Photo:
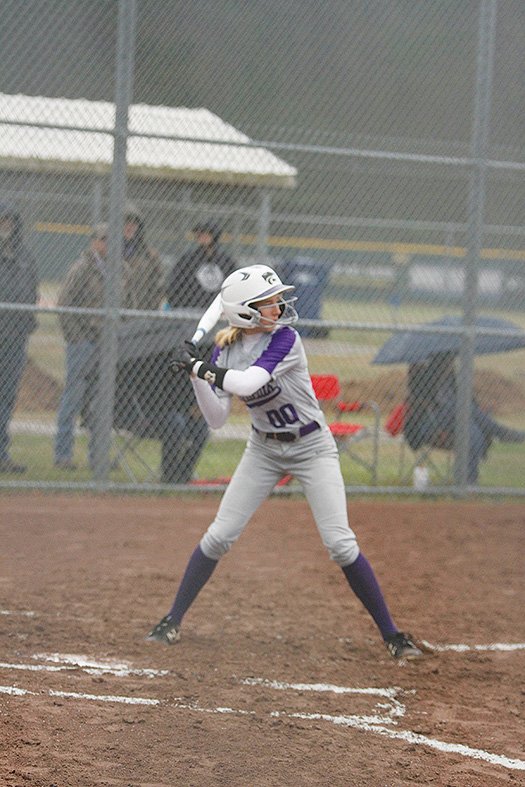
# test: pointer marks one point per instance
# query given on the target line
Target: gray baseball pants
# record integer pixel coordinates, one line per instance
(314, 461)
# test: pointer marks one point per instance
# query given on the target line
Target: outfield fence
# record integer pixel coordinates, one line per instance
(373, 155)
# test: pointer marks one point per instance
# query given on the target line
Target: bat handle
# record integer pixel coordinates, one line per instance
(199, 334)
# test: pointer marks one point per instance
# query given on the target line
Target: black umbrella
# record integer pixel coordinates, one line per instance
(415, 346)
(145, 338)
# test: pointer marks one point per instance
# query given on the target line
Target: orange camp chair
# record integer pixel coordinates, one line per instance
(327, 389)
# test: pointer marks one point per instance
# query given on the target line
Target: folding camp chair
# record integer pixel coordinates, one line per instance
(127, 440)
(421, 457)
(327, 389)
(130, 426)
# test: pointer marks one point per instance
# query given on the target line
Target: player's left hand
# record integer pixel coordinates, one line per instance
(184, 358)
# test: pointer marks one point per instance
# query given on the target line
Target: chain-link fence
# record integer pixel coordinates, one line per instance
(372, 153)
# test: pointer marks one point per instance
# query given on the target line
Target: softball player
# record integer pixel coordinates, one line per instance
(260, 358)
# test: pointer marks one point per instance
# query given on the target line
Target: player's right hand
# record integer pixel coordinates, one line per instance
(183, 358)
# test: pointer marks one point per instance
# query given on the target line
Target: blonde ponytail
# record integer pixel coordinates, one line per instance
(227, 336)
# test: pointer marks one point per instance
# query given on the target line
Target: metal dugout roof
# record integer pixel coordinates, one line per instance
(196, 155)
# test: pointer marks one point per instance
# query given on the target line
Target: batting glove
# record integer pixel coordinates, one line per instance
(184, 358)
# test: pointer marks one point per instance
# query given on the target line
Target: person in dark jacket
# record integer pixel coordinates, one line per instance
(167, 405)
(192, 284)
(430, 418)
(197, 277)
(142, 271)
(18, 284)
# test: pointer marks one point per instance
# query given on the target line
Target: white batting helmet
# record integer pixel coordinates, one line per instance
(245, 287)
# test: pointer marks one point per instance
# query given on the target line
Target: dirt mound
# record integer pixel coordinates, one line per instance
(387, 390)
(38, 390)
(496, 394)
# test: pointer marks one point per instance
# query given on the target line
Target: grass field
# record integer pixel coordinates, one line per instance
(503, 468)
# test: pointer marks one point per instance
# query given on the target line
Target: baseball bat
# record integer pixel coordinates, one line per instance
(209, 320)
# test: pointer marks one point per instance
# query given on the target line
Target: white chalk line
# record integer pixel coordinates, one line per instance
(69, 662)
(275, 684)
(119, 672)
(393, 708)
(15, 691)
(54, 615)
(374, 724)
(363, 723)
(494, 646)
(20, 613)
(91, 666)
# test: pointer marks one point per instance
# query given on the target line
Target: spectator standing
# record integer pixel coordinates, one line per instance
(167, 405)
(199, 273)
(82, 288)
(192, 284)
(18, 284)
(143, 272)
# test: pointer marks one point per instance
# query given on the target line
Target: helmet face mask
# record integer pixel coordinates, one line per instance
(243, 289)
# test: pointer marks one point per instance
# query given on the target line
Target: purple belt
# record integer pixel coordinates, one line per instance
(289, 437)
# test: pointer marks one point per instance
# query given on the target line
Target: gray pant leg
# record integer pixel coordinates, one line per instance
(252, 482)
(323, 486)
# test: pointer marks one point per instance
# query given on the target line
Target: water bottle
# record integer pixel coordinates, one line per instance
(421, 478)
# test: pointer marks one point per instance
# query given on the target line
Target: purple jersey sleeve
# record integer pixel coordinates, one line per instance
(280, 345)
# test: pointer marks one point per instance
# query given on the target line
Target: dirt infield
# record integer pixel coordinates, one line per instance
(281, 678)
